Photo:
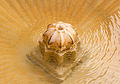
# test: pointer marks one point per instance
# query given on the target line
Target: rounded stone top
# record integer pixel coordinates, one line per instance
(59, 36)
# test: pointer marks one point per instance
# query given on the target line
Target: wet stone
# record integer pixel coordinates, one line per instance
(58, 62)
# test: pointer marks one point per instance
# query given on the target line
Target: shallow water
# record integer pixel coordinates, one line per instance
(22, 23)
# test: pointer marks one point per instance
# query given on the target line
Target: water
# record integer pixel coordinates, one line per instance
(23, 22)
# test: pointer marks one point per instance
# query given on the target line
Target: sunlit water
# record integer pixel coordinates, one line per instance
(22, 23)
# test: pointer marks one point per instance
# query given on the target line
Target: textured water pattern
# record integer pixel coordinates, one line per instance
(22, 23)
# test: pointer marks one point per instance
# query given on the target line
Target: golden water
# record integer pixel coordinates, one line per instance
(22, 22)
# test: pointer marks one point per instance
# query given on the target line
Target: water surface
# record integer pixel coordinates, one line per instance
(22, 23)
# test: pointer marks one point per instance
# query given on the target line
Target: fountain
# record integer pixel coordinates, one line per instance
(58, 50)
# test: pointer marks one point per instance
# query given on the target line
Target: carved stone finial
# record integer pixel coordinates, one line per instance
(59, 42)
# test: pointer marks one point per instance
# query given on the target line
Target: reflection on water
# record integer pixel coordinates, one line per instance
(103, 45)
(22, 23)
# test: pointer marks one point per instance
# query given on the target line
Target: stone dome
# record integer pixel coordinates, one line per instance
(59, 36)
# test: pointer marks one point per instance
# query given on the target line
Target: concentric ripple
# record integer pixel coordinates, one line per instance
(22, 23)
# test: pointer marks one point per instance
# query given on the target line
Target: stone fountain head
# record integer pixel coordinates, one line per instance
(59, 48)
